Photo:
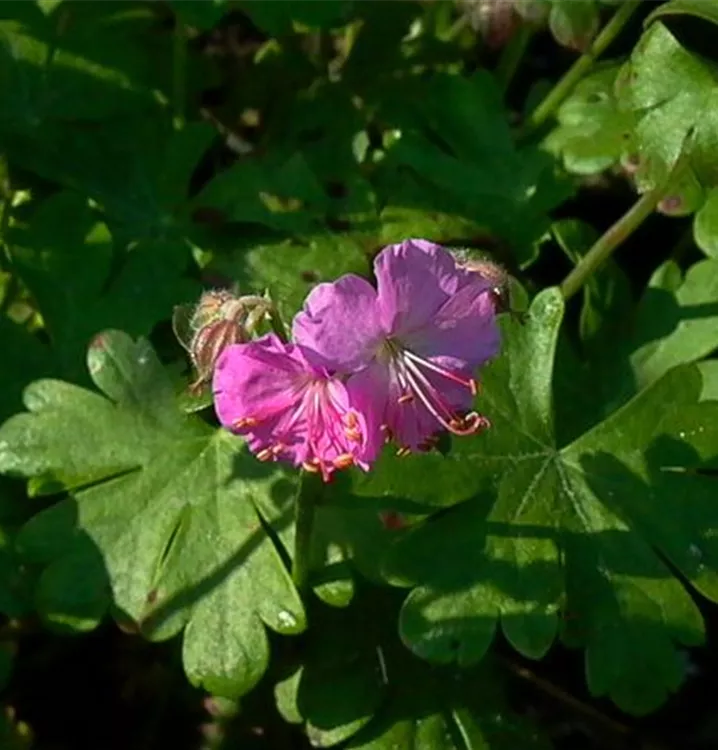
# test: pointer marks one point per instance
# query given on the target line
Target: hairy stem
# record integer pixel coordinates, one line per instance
(308, 495)
(578, 70)
(179, 74)
(611, 239)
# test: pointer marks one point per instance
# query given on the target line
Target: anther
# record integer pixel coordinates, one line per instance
(351, 420)
(407, 398)
(311, 466)
(403, 452)
(386, 431)
(244, 422)
(343, 461)
(353, 434)
(265, 454)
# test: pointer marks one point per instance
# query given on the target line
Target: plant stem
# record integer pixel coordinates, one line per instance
(308, 495)
(611, 239)
(179, 74)
(512, 55)
(578, 70)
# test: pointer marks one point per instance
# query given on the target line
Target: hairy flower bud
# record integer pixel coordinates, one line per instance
(219, 319)
(495, 20)
(493, 273)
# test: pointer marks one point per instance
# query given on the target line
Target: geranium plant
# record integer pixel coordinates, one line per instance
(360, 383)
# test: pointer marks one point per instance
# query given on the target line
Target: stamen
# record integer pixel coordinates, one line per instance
(403, 452)
(354, 435)
(265, 454)
(350, 420)
(469, 383)
(407, 398)
(277, 449)
(343, 461)
(311, 467)
(245, 422)
(386, 431)
(434, 402)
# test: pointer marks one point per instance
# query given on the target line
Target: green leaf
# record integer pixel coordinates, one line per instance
(708, 11)
(67, 260)
(356, 681)
(281, 195)
(593, 133)
(477, 171)
(168, 512)
(290, 268)
(338, 686)
(674, 95)
(676, 320)
(705, 226)
(579, 530)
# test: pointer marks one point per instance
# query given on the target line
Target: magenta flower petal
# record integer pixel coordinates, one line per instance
(288, 409)
(415, 278)
(463, 330)
(340, 323)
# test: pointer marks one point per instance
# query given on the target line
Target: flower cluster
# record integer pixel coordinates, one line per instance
(366, 364)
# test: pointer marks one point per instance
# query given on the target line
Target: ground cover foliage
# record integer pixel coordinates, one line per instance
(549, 582)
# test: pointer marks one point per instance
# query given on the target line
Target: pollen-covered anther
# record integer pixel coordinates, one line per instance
(277, 449)
(469, 424)
(353, 434)
(311, 466)
(244, 423)
(407, 398)
(403, 452)
(343, 461)
(265, 454)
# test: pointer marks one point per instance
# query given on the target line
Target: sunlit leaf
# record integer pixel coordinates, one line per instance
(165, 519)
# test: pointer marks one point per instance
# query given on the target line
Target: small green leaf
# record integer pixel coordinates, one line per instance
(573, 529)
(592, 132)
(166, 512)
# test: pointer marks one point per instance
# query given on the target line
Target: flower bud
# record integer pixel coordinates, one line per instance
(219, 319)
(495, 20)
(496, 275)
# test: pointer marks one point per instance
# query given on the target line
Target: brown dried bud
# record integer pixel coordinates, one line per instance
(219, 319)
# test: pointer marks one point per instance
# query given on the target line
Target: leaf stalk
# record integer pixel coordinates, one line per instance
(580, 68)
(604, 246)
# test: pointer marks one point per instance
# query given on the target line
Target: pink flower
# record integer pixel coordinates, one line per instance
(411, 345)
(290, 409)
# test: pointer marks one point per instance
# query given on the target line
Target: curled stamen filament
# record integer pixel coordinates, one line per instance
(432, 399)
